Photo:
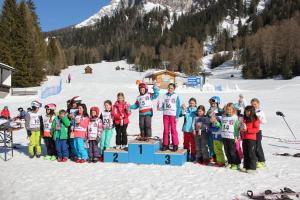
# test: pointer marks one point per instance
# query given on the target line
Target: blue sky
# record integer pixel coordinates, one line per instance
(55, 14)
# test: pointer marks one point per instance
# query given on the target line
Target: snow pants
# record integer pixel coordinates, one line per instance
(93, 149)
(249, 148)
(35, 142)
(121, 136)
(145, 125)
(79, 148)
(202, 147)
(170, 122)
(50, 146)
(231, 152)
(62, 148)
(105, 140)
(189, 142)
(259, 149)
(218, 149)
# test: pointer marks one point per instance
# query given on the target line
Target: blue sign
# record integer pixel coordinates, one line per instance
(194, 81)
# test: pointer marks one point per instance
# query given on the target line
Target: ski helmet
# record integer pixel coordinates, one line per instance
(76, 99)
(96, 109)
(143, 85)
(215, 99)
(236, 106)
(20, 109)
(36, 104)
(50, 106)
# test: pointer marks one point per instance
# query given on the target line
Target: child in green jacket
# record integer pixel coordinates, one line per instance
(60, 126)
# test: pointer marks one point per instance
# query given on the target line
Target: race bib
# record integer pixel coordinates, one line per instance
(93, 130)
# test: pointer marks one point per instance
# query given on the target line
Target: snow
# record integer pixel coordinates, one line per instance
(24, 178)
(232, 25)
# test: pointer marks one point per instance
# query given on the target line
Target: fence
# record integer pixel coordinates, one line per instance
(23, 91)
(52, 90)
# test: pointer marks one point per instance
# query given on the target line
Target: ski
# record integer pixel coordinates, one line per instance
(297, 155)
(284, 194)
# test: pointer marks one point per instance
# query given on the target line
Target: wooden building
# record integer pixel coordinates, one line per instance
(163, 77)
(88, 70)
(5, 79)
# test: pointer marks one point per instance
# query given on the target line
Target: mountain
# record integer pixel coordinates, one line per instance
(174, 6)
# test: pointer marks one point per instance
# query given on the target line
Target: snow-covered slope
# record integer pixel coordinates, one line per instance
(177, 6)
(32, 179)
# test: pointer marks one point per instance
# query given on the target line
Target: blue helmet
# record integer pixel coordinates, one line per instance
(215, 99)
(236, 106)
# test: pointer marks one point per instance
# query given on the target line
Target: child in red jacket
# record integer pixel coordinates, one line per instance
(121, 112)
(248, 133)
(5, 114)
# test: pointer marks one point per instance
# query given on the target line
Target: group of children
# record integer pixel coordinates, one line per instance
(77, 134)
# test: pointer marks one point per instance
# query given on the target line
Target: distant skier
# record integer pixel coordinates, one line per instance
(69, 78)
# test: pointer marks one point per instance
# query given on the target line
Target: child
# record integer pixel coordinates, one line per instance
(80, 133)
(259, 149)
(171, 111)
(230, 133)
(108, 126)
(48, 140)
(215, 143)
(121, 112)
(94, 134)
(201, 124)
(248, 133)
(144, 103)
(5, 114)
(242, 102)
(189, 114)
(60, 126)
(34, 126)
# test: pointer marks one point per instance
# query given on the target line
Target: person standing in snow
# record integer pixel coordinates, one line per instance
(189, 114)
(242, 102)
(121, 112)
(35, 127)
(248, 134)
(171, 110)
(60, 135)
(262, 118)
(108, 126)
(48, 133)
(5, 114)
(94, 134)
(80, 133)
(144, 103)
(69, 78)
(230, 133)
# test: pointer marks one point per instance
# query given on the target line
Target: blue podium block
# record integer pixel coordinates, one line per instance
(177, 158)
(142, 152)
(116, 156)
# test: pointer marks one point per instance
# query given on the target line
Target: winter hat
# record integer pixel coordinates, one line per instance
(143, 85)
(96, 109)
(50, 106)
(36, 104)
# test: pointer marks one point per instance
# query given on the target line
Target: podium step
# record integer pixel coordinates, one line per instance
(142, 152)
(177, 158)
(116, 156)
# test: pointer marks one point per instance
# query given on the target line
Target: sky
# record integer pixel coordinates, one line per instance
(55, 14)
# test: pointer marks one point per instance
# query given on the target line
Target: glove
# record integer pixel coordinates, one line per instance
(28, 133)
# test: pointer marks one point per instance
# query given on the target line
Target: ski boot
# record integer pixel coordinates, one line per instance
(260, 165)
(165, 148)
(175, 148)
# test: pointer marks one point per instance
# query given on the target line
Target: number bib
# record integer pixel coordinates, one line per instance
(107, 120)
(93, 129)
(77, 126)
(47, 123)
(34, 122)
(145, 102)
(170, 105)
(227, 130)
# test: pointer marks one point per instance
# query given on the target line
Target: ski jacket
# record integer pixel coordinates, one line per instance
(95, 129)
(201, 124)
(5, 114)
(81, 126)
(171, 105)
(121, 109)
(214, 130)
(189, 114)
(262, 118)
(252, 130)
(145, 102)
(60, 128)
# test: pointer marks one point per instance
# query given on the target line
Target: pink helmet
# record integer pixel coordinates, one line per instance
(143, 85)
(50, 106)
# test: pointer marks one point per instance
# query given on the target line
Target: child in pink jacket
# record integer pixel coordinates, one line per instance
(80, 133)
(94, 134)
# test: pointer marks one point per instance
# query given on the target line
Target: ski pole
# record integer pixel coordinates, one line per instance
(282, 115)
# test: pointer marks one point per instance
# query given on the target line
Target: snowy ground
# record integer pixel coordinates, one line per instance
(23, 178)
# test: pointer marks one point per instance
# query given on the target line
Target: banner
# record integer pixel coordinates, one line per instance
(52, 90)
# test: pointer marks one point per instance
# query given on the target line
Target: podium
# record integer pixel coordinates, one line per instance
(146, 152)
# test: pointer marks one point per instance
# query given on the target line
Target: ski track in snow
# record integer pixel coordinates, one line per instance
(23, 178)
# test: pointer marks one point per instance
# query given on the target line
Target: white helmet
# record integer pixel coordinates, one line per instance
(36, 104)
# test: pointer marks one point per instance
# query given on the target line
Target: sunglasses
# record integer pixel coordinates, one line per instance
(212, 101)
